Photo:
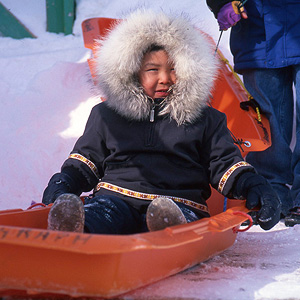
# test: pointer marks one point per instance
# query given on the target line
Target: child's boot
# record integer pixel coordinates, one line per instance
(163, 212)
(67, 214)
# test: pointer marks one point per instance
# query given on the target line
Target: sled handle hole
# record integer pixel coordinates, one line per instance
(36, 204)
(244, 215)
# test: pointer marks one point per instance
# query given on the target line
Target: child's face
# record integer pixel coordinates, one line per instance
(157, 74)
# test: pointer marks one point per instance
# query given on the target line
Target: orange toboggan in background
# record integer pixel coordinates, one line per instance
(36, 262)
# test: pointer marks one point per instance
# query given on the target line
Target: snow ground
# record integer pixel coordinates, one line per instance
(46, 99)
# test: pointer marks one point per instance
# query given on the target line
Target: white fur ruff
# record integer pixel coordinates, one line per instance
(118, 60)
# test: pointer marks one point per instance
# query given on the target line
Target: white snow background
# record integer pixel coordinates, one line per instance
(45, 102)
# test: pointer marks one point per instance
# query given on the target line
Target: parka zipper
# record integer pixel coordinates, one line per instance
(149, 141)
(152, 111)
(152, 116)
(151, 131)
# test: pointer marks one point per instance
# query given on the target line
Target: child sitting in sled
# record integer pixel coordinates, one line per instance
(151, 151)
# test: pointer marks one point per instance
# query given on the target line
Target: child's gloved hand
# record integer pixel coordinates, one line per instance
(259, 193)
(60, 183)
(230, 14)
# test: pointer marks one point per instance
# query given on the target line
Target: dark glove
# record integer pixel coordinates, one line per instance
(230, 14)
(259, 193)
(60, 183)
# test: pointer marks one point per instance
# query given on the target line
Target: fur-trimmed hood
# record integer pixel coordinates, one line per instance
(118, 59)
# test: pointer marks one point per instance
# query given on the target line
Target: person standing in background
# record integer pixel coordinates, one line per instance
(265, 44)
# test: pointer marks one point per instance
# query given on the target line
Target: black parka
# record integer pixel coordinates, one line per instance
(159, 158)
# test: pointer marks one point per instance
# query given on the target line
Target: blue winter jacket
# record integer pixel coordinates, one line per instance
(269, 38)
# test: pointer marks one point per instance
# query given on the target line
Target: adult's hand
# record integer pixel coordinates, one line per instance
(230, 14)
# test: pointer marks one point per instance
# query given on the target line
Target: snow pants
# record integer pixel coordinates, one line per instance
(111, 215)
(280, 164)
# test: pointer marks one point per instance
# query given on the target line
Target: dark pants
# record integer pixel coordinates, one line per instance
(111, 215)
(273, 90)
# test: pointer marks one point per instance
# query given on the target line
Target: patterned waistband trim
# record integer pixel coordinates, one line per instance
(86, 161)
(145, 196)
(229, 172)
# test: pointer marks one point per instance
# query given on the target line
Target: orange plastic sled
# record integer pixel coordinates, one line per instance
(39, 263)
(35, 262)
(249, 127)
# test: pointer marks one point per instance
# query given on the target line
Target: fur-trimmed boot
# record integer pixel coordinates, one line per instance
(163, 212)
(67, 214)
